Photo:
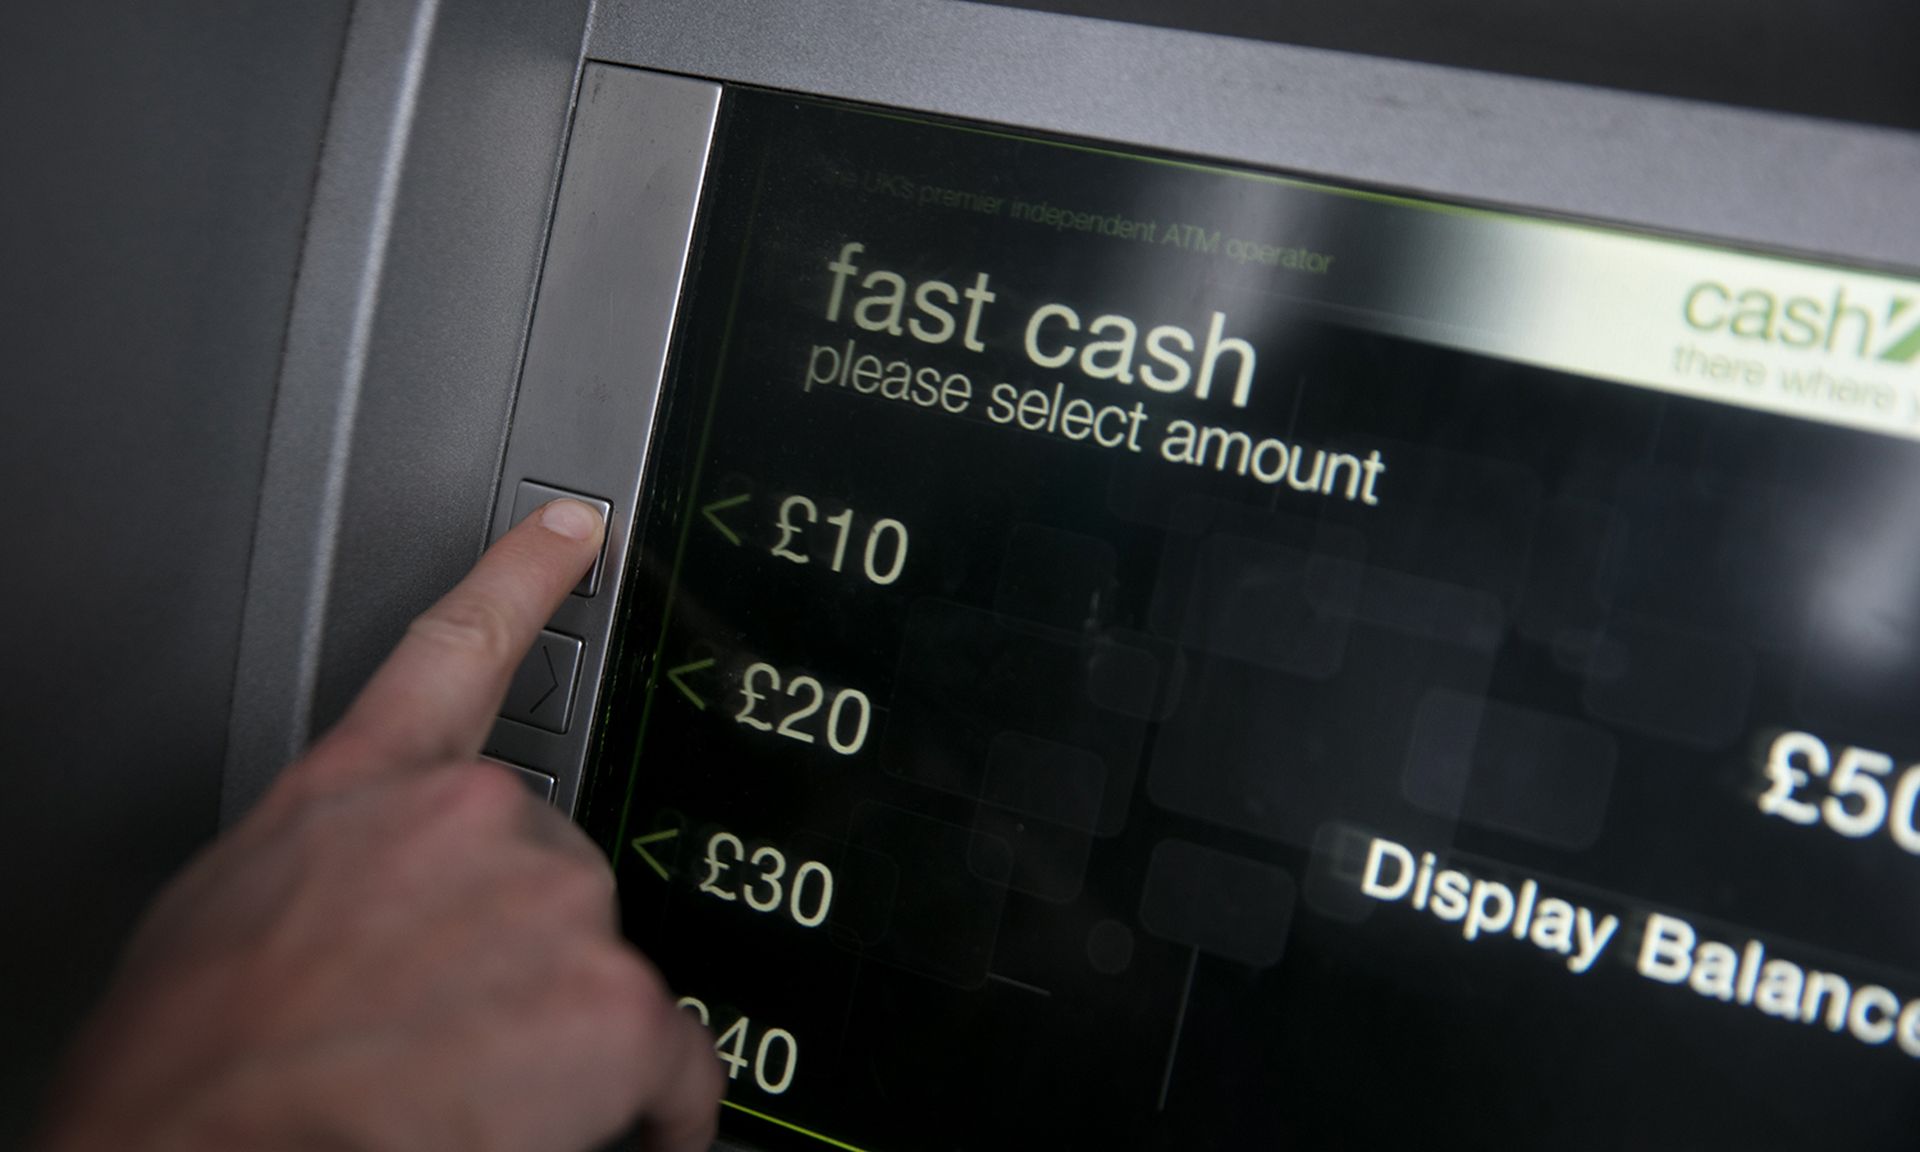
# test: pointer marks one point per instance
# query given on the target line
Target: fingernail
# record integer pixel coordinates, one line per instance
(571, 519)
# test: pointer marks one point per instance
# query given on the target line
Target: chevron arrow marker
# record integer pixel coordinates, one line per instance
(677, 677)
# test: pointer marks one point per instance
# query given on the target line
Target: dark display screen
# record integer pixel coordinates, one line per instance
(1125, 653)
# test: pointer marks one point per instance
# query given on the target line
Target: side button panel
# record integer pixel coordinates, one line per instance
(543, 686)
(596, 354)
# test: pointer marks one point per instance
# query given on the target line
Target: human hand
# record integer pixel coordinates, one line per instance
(399, 949)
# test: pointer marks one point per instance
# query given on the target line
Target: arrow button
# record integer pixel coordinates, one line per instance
(528, 499)
(538, 783)
(543, 686)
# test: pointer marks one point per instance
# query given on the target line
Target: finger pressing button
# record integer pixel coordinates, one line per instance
(531, 497)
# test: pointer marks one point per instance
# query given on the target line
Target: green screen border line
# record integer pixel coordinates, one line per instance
(791, 1126)
(619, 844)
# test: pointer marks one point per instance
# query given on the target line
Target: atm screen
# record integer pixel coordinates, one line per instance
(1124, 652)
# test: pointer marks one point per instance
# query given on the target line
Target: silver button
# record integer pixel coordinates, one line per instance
(542, 691)
(538, 783)
(531, 497)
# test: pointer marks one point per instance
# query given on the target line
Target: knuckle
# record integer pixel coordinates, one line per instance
(299, 785)
(641, 995)
(631, 995)
(468, 625)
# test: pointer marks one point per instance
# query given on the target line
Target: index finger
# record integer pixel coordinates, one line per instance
(436, 696)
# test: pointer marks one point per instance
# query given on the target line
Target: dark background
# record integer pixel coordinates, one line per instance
(156, 165)
(158, 159)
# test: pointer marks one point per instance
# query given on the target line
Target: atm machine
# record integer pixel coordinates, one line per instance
(1163, 591)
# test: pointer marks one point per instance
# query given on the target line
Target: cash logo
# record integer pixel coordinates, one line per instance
(1885, 331)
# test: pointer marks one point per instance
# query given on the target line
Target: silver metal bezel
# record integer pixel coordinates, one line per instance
(597, 351)
(1825, 190)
